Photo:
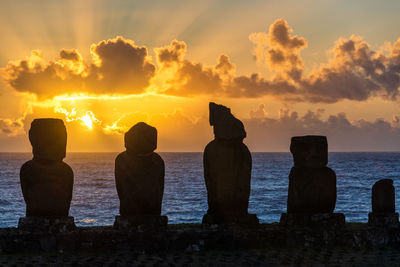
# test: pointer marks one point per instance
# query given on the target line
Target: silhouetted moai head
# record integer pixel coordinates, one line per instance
(226, 126)
(383, 196)
(309, 151)
(312, 185)
(139, 173)
(49, 139)
(227, 166)
(141, 139)
(46, 180)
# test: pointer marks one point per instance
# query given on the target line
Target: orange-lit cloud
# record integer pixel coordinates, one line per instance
(354, 72)
(11, 127)
(188, 78)
(118, 66)
(279, 50)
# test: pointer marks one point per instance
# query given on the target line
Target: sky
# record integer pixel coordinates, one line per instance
(285, 68)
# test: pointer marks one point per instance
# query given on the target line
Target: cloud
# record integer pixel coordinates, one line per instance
(119, 66)
(354, 71)
(279, 50)
(11, 127)
(270, 134)
(187, 78)
(259, 113)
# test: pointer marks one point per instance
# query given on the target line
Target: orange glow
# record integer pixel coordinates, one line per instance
(88, 119)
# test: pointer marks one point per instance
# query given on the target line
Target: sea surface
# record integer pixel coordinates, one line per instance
(95, 200)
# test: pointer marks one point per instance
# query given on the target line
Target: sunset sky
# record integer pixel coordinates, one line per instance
(284, 68)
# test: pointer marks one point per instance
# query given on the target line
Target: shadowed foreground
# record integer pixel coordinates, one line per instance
(195, 245)
(296, 256)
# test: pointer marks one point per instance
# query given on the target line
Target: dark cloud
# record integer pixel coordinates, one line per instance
(70, 54)
(268, 134)
(256, 86)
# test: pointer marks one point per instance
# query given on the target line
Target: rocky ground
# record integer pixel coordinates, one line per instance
(387, 256)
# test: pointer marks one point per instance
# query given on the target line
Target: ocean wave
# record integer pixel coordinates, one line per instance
(4, 202)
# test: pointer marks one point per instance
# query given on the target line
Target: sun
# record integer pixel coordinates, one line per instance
(87, 121)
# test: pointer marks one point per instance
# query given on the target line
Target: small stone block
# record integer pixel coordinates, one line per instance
(244, 220)
(384, 219)
(145, 221)
(316, 219)
(50, 224)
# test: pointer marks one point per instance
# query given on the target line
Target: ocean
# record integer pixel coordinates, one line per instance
(95, 201)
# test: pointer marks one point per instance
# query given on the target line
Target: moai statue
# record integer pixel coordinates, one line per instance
(383, 205)
(46, 180)
(139, 178)
(312, 185)
(227, 170)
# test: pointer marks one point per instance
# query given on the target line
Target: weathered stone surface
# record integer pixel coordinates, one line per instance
(309, 151)
(139, 177)
(383, 197)
(313, 219)
(389, 219)
(311, 190)
(47, 224)
(46, 187)
(227, 167)
(143, 222)
(141, 139)
(49, 139)
(226, 126)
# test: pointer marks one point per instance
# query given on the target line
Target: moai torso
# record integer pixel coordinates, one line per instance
(227, 165)
(312, 185)
(139, 173)
(46, 180)
(227, 172)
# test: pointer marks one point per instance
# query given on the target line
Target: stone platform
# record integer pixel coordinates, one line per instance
(196, 237)
(140, 222)
(249, 220)
(384, 219)
(50, 224)
(316, 219)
